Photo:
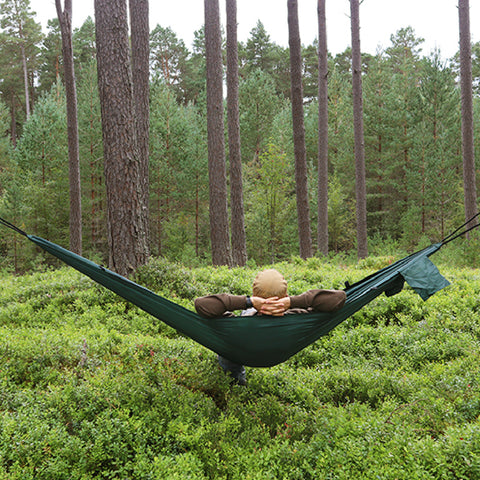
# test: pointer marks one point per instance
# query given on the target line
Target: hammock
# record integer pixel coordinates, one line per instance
(262, 341)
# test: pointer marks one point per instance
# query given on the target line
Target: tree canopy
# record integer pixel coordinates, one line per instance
(412, 127)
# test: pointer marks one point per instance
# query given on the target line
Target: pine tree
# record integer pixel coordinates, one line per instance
(219, 232)
(91, 158)
(381, 152)
(259, 50)
(19, 48)
(360, 186)
(24, 34)
(127, 223)
(75, 219)
(40, 155)
(84, 48)
(169, 58)
(179, 179)
(301, 179)
(272, 208)
(50, 61)
(404, 58)
(239, 246)
(322, 228)
(469, 181)
(437, 147)
(258, 106)
(140, 58)
(193, 82)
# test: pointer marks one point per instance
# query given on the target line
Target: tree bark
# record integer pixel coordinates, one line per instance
(239, 244)
(301, 179)
(140, 40)
(360, 182)
(219, 231)
(322, 229)
(65, 20)
(13, 122)
(25, 78)
(469, 177)
(125, 218)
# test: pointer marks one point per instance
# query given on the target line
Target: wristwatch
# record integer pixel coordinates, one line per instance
(249, 302)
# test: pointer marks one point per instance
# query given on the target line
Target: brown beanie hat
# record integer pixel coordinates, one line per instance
(269, 283)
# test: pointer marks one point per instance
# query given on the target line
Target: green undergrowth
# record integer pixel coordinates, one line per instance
(93, 388)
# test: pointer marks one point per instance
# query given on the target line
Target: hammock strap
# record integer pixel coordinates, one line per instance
(7, 224)
(454, 235)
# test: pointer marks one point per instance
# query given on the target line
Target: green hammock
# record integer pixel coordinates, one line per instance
(260, 341)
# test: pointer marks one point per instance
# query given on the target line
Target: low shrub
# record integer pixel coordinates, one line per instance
(93, 388)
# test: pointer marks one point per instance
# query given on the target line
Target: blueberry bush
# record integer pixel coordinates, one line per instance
(93, 388)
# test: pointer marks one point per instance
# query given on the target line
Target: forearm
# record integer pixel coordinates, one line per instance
(319, 300)
(213, 306)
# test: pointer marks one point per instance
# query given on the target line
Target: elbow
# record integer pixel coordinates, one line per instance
(330, 300)
(342, 298)
(200, 308)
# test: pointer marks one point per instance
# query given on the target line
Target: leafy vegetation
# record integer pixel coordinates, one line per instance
(412, 142)
(93, 388)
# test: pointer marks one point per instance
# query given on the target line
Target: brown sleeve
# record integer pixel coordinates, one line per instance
(213, 306)
(319, 300)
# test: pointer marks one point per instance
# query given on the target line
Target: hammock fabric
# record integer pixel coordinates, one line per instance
(260, 341)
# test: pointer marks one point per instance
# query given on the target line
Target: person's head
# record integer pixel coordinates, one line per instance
(269, 283)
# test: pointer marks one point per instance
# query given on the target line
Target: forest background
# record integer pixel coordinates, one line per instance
(412, 143)
(94, 388)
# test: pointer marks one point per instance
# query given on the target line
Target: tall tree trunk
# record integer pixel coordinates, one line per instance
(360, 182)
(13, 121)
(24, 63)
(301, 180)
(140, 39)
(322, 230)
(469, 181)
(65, 20)
(125, 217)
(239, 244)
(25, 80)
(219, 233)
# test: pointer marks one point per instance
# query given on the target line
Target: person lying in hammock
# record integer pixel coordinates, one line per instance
(269, 297)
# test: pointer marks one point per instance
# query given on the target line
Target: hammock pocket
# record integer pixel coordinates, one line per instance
(262, 341)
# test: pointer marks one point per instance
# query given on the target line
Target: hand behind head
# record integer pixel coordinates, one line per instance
(271, 306)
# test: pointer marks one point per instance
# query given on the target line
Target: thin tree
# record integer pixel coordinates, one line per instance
(360, 182)
(322, 229)
(140, 41)
(469, 185)
(25, 71)
(20, 35)
(301, 179)
(65, 20)
(239, 245)
(126, 221)
(219, 232)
